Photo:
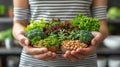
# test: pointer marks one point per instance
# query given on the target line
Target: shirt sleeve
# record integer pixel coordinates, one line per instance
(100, 12)
(21, 14)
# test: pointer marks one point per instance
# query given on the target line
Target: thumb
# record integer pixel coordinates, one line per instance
(23, 40)
(27, 42)
(93, 42)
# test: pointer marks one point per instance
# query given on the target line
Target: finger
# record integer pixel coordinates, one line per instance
(27, 42)
(86, 51)
(54, 56)
(33, 51)
(79, 55)
(74, 56)
(43, 56)
(93, 42)
(46, 56)
(70, 57)
(67, 53)
(98, 37)
(23, 40)
(66, 57)
(75, 53)
(51, 56)
(82, 51)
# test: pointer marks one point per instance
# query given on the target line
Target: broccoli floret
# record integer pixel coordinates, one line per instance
(35, 35)
(85, 36)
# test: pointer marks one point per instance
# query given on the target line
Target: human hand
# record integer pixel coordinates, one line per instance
(79, 54)
(38, 53)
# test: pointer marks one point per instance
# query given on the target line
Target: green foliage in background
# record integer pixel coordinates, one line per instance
(6, 34)
(113, 13)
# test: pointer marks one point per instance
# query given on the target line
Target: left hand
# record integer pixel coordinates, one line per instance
(79, 54)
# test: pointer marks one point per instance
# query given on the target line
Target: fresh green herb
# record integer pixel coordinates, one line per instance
(52, 40)
(86, 23)
(36, 25)
(61, 35)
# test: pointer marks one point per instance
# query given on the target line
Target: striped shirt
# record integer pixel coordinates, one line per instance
(65, 10)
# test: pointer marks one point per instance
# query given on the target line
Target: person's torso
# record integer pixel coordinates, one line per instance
(62, 9)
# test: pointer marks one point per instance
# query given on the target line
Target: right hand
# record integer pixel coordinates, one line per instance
(38, 53)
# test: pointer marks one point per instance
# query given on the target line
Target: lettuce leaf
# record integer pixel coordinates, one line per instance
(86, 23)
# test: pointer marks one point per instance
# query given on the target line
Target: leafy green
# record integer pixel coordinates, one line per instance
(61, 35)
(35, 35)
(36, 25)
(51, 40)
(35, 39)
(6, 34)
(42, 34)
(86, 23)
(53, 23)
(74, 35)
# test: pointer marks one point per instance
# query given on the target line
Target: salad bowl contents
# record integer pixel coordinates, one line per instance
(64, 35)
(72, 45)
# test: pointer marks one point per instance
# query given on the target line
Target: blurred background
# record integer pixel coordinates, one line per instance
(108, 51)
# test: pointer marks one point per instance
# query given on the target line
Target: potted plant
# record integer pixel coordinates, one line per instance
(2, 10)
